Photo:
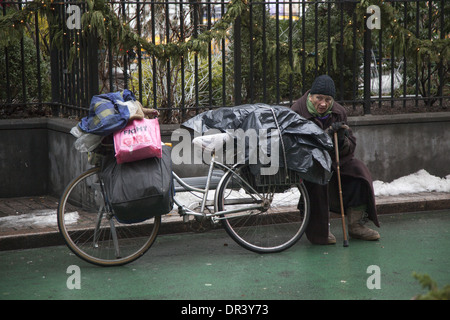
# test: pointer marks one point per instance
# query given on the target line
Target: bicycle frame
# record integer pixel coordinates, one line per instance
(185, 211)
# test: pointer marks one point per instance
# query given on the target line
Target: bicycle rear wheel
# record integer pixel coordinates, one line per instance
(90, 229)
(277, 224)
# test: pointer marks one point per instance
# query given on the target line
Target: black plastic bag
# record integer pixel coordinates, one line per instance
(306, 146)
(139, 190)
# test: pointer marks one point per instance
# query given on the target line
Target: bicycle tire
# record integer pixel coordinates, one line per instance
(85, 223)
(267, 230)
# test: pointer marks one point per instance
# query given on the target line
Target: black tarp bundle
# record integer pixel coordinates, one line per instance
(306, 145)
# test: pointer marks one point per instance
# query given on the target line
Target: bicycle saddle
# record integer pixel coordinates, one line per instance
(212, 142)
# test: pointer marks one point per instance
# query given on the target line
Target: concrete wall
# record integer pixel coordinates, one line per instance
(37, 156)
(23, 157)
(398, 145)
(64, 161)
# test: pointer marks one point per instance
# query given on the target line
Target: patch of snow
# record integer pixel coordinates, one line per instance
(36, 218)
(421, 181)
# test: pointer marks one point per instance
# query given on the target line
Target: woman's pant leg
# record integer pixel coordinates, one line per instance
(317, 229)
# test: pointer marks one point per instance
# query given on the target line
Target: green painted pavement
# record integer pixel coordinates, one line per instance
(211, 266)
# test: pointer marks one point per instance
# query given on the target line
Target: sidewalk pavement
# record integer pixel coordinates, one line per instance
(30, 222)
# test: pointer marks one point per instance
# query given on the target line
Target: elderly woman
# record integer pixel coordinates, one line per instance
(318, 105)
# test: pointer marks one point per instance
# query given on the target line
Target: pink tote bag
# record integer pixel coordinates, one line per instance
(140, 139)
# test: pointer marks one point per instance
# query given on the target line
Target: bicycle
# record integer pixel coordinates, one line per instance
(248, 206)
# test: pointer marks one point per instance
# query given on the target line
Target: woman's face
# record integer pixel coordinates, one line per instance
(321, 102)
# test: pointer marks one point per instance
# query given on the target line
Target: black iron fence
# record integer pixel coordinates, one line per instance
(186, 56)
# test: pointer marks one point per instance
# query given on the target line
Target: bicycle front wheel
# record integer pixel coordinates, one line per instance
(268, 213)
(90, 230)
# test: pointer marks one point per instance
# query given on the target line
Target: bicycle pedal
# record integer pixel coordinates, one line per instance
(181, 211)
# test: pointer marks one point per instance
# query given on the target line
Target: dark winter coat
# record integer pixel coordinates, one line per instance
(320, 195)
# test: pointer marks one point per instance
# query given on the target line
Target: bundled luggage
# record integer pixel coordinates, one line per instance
(141, 189)
(304, 149)
(137, 171)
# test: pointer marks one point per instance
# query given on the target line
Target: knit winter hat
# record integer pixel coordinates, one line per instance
(323, 85)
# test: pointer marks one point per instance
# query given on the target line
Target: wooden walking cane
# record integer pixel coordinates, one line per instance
(336, 148)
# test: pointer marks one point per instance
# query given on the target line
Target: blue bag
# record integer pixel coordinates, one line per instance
(107, 113)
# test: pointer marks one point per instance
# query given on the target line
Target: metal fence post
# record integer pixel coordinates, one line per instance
(367, 61)
(237, 62)
(54, 67)
(92, 61)
(55, 74)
